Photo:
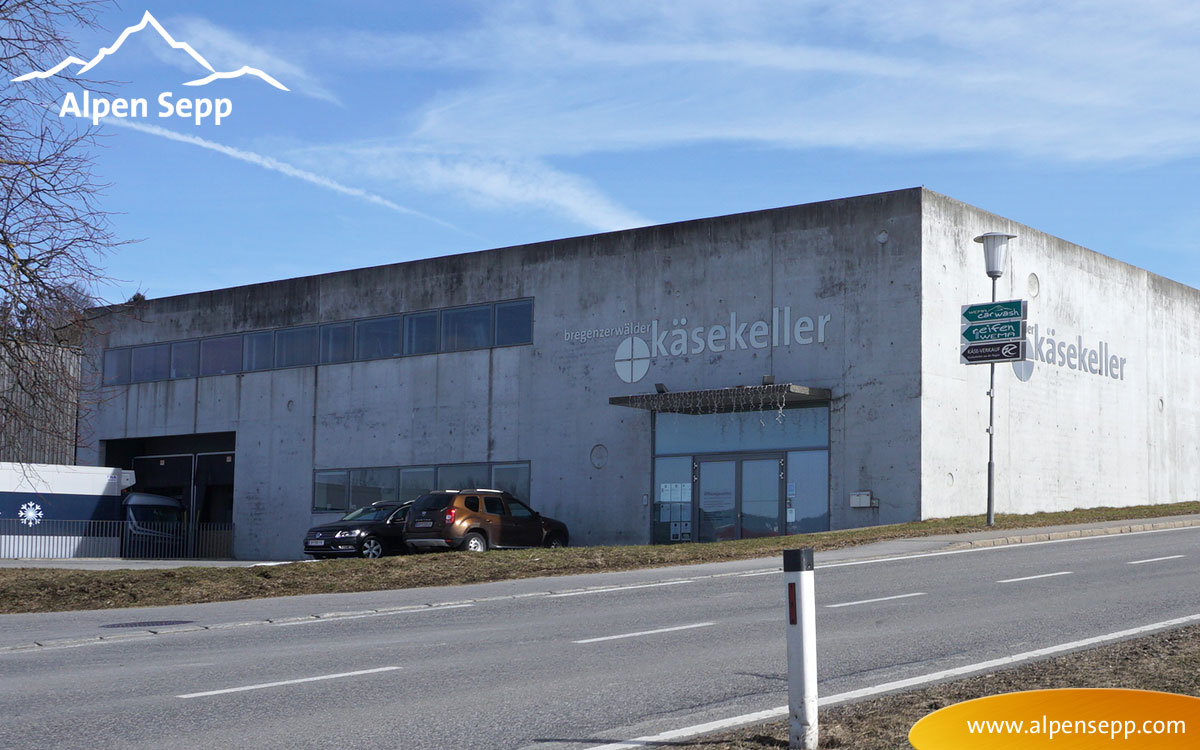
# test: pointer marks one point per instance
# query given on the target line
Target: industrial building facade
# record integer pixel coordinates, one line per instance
(781, 371)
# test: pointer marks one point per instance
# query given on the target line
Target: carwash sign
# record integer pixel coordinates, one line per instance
(96, 108)
(641, 342)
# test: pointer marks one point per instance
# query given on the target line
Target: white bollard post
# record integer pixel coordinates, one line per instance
(801, 648)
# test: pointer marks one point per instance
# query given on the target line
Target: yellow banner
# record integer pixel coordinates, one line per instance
(1064, 720)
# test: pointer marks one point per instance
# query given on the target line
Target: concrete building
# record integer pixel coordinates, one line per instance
(734, 376)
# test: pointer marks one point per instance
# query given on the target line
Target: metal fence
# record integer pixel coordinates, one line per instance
(60, 539)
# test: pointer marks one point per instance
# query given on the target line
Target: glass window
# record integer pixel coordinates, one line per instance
(472, 504)
(494, 505)
(296, 347)
(417, 481)
(372, 485)
(116, 366)
(467, 328)
(512, 478)
(151, 363)
(329, 491)
(221, 356)
(672, 499)
(741, 431)
(462, 476)
(185, 359)
(337, 343)
(377, 339)
(258, 351)
(421, 333)
(518, 509)
(514, 322)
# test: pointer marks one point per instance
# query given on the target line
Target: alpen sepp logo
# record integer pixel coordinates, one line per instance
(199, 109)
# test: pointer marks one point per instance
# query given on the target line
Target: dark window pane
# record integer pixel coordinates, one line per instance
(372, 485)
(421, 333)
(221, 356)
(467, 328)
(518, 509)
(376, 339)
(462, 476)
(150, 363)
(512, 478)
(514, 323)
(296, 347)
(259, 348)
(185, 359)
(116, 366)
(329, 491)
(337, 343)
(416, 481)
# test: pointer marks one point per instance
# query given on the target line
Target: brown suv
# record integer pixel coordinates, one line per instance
(477, 520)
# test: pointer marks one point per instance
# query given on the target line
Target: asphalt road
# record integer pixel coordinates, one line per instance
(550, 663)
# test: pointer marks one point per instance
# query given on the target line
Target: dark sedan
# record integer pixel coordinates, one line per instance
(372, 531)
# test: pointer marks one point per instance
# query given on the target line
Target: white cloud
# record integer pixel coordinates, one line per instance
(1070, 80)
(267, 162)
(488, 181)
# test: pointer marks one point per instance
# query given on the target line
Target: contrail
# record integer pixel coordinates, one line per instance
(267, 162)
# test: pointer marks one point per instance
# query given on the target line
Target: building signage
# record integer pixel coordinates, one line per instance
(641, 342)
(1004, 351)
(1006, 331)
(993, 312)
(1076, 354)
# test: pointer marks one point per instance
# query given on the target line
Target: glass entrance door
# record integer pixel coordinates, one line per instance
(739, 498)
(717, 501)
(760, 497)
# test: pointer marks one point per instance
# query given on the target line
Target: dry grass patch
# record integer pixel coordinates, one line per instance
(1169, 662)
(47, 590)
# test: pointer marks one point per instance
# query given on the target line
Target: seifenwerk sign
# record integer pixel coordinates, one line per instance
(641, 342)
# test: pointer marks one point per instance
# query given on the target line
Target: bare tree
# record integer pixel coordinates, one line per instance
(53, 234)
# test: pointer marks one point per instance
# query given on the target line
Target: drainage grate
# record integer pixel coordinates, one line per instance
(148, 624)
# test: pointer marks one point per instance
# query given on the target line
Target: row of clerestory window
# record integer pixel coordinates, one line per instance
(453, 329)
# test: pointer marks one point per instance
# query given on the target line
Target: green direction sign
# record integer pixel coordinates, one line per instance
(994, 312)
(999, 331)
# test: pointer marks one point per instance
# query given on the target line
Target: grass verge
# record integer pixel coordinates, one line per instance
(47, 590)
(1169, 662)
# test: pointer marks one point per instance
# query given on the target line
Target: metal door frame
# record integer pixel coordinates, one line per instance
(779, 456)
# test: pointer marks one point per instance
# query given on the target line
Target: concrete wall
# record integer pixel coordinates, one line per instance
(1066, 438)
(852, 266)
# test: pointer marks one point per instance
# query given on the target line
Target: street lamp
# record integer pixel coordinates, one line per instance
(994, 247)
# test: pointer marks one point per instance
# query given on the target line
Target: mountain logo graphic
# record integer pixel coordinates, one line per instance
(150, 20)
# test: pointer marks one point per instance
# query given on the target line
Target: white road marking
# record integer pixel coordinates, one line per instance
(781, 711)
(872, 601)
(618, 588)
(1155, 559)
(339, 618)
(998, 547)
(287, 682)
(1032, 578)
(758, 573)
(645, 632)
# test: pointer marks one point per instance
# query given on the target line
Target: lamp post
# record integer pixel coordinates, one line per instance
(994, 247)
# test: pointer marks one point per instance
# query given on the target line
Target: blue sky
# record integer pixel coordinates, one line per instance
(417, 129)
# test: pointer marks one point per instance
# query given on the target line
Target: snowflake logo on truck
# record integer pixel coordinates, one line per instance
(30, 514)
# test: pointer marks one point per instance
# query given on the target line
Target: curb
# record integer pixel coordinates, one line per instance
(1074, 534)
(954, 546)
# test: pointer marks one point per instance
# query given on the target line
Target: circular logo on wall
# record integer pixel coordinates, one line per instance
(632, 359)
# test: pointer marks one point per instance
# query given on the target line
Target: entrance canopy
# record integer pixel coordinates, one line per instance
(722, 400)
